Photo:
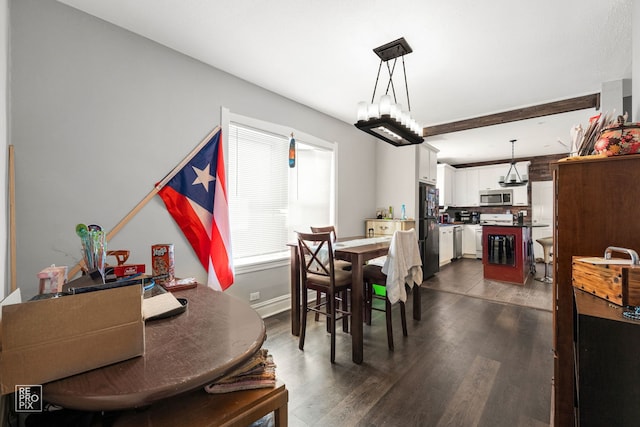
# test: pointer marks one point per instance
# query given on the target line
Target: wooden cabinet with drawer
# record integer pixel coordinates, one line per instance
(584, 189)
(386, 227)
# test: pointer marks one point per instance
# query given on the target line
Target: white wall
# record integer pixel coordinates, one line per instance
(612, 95)
(396, 179)
(99, 115)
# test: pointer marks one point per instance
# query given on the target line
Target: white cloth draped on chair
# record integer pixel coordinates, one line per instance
(402, 265)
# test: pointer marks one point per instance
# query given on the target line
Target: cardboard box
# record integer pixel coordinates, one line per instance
(49, 339)
(615, 280)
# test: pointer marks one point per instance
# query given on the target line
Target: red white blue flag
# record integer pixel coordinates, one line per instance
(196, 198)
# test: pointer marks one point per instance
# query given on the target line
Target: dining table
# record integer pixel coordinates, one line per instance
(216, 333)
(357, 250)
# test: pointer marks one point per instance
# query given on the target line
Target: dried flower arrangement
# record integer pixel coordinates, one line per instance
(607, 136)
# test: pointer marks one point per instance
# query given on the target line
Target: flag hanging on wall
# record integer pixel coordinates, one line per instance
(196, 198)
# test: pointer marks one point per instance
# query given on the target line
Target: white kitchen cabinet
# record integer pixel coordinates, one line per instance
(469, 240)
(470, 181)
(446, 184)
(473, 194)
(466, 188)
(460, 196)
(488, 176)
(446, 244)
(428, 164)
(520, 195)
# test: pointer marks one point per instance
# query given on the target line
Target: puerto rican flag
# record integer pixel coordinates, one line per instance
(196, 198)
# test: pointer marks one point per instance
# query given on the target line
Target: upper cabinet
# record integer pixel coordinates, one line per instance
(446, 184)
(466, 189)
(521, 195)
(470, 181)
(488, 176)
(428, 164)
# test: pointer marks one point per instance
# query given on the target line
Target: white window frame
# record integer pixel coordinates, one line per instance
(281, 258)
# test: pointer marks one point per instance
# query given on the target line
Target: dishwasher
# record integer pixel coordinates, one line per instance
(457, 242)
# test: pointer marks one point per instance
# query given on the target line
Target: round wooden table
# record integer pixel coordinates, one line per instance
(216, 333)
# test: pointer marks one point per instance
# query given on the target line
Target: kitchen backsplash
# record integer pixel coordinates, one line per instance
(490, 210)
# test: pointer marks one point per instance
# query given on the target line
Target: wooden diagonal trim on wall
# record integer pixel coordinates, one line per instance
(556, 107)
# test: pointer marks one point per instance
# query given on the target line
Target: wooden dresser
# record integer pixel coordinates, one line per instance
(596, 206)
(386, 227)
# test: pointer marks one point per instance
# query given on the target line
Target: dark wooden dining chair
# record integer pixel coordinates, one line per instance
(315, 251)
(339, 263)
(402, 267)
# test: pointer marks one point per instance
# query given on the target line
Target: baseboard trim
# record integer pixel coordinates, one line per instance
(273, 306)
(277, 305)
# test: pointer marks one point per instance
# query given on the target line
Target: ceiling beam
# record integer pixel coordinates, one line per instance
(557, 107)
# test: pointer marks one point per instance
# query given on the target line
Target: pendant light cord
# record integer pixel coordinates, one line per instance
(406, 85)
(373, 98)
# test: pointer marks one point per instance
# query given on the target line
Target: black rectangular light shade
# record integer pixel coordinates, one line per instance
(389, 130)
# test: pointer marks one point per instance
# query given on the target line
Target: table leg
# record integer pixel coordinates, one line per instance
(357, 286)
(417, 303)
(295, 292)
(531, 257)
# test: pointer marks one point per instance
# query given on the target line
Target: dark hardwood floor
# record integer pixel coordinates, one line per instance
(465, 277)
(468, 362)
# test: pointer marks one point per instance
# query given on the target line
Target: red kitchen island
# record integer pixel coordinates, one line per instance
(506, 253)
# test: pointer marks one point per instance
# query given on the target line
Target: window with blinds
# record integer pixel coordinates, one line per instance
(268, 201)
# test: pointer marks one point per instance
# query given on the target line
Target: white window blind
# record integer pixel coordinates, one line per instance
(267, 200)
(258, 191)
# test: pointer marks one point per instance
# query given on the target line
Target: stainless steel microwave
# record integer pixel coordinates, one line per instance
(496, 197)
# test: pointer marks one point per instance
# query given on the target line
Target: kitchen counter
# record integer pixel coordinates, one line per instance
(515, 225)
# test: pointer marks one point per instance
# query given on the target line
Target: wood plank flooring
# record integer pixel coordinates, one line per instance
(469, 362)
(463, 277)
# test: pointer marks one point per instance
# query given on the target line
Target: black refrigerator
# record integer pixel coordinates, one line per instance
(428, 230)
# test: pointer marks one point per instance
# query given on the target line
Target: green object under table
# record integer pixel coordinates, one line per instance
(379, 290)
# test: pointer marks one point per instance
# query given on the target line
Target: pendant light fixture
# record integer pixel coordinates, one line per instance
(386, 119)
(513, 178)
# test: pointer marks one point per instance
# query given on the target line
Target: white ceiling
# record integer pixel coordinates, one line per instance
(470, 58)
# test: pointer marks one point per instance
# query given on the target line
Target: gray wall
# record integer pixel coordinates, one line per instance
(4, 226)
(98, 115)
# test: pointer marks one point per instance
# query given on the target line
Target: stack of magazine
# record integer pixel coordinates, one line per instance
(258, 372)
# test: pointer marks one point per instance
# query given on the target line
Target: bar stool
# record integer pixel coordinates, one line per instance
(546, 243)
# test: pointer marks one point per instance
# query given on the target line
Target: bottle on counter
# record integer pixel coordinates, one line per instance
(403, 213)
(390, 212)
